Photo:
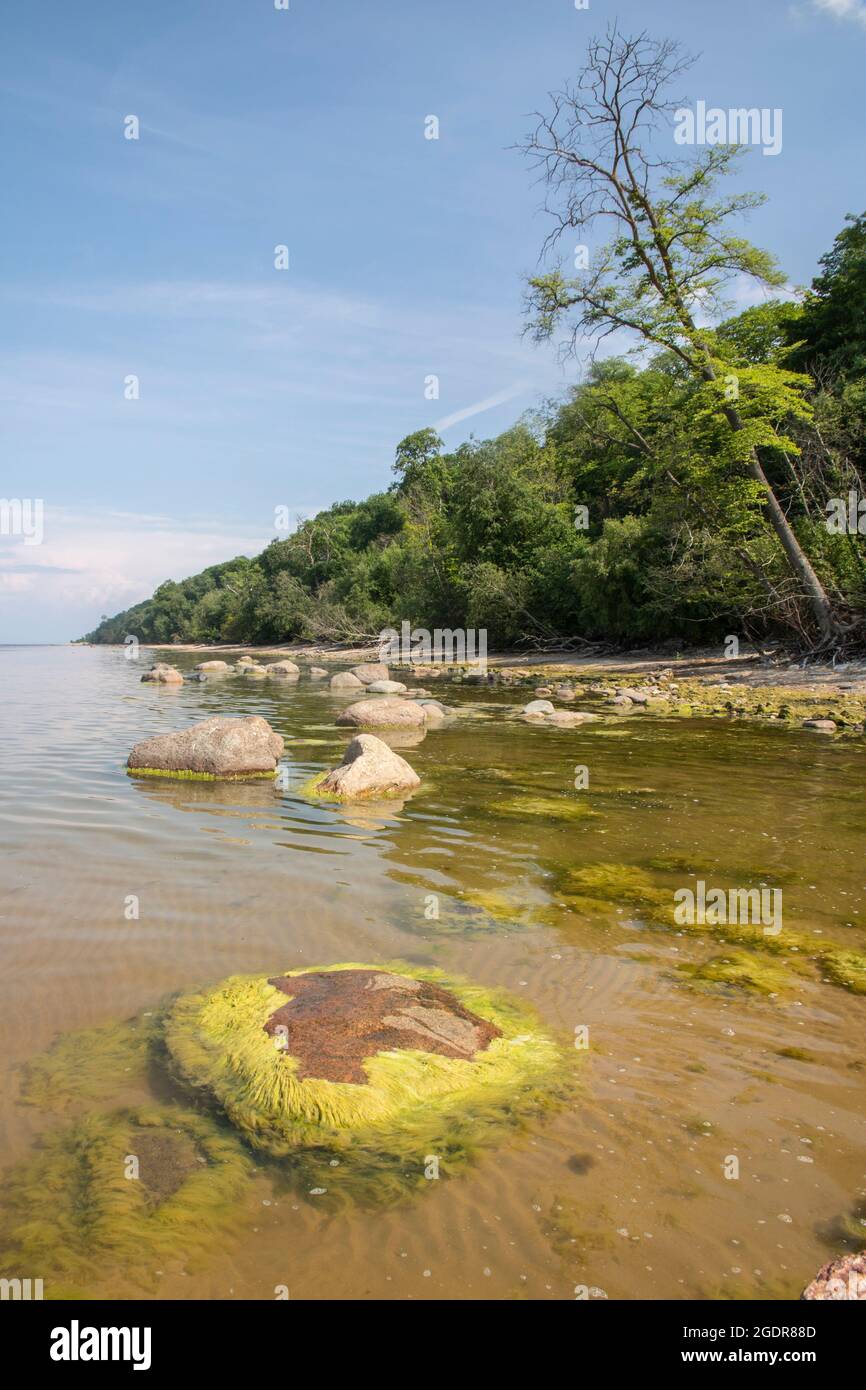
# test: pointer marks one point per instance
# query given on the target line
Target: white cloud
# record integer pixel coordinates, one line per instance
(104, 561)
(843, 9)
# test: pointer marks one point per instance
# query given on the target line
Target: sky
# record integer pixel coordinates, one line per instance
(261, 388)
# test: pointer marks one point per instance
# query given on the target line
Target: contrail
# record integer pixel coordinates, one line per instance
(487, 404)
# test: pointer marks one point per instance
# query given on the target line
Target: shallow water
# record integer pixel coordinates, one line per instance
(625, 1191)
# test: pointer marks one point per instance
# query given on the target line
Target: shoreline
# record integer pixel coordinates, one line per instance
(751, 668)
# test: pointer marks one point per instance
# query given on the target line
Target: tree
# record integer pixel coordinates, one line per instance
(671, 254)
(831, 331)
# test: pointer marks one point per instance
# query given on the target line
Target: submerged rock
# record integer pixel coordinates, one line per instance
(823, 726)
(317, 673)
(538, 707)
(383, 713)
(113, 1197)
(383, 1065)
(370, 770)
(386, 688)
(839, 1280)
(217, 747)
(369, 671)
(569, 718)
(345, 680)
(162, 674)
(283, 668)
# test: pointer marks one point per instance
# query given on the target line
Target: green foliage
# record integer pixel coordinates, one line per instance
(676, 543)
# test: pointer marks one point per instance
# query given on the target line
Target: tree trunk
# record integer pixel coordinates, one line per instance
(797, 557)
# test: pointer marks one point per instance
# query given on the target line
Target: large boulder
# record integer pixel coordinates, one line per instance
(214, 748)
(163, 675)
(841, 1279)
(386, 688)
(538, 707)
(283, 668)
(383, 712)
(357, 1071)
(370, 671)
(212, 666)
(369, 770)
(345, 680)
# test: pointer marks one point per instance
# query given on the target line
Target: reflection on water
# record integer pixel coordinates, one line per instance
(495, 869)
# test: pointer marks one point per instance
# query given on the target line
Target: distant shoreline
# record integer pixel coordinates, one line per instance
(748, 669)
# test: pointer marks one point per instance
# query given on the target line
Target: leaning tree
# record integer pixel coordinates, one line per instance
(605, 152)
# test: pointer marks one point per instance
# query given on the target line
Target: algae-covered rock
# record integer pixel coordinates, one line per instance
(739, 970)
(370, 770)
(842, 1279)
(547, 807)
(215, 748)
(364, 1062)
(114, 1197)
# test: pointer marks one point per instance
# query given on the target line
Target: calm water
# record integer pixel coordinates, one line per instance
(625, 1191)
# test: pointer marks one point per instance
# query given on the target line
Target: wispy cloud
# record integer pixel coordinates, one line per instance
(854, 10)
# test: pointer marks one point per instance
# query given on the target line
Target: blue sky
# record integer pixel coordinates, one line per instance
(262, 388)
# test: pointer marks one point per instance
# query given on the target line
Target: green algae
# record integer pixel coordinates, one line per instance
(492, 906)
(369, 1143)
(185, 776)
(112, 1196)
(844, 968)
(629, 885)
(553, 808)
(740, 970)
(92, 1067)
(310, 791)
